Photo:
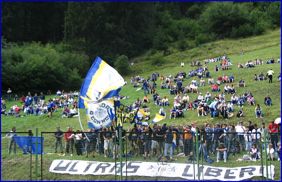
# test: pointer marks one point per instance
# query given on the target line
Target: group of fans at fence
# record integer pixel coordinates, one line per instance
(165, 142)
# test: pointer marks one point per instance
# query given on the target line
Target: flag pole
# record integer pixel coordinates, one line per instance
(79, 120)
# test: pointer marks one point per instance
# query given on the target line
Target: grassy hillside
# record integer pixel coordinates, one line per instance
(262, 47)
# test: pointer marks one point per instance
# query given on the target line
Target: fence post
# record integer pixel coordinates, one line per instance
(194, 159)
(29, 150)
(197, 151)
(36, 154)
(261, 159)
(125, 156)
(265, 150)
(120, 155)
(41, 155)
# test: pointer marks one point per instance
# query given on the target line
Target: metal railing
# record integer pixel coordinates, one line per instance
(198, 149)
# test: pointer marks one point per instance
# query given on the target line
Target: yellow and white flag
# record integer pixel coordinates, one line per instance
(158, 118)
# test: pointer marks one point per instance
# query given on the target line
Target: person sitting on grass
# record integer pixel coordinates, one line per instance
(210, 81)
(200, 109)
(242, 83)
(261, 77)
(278, 150)
(258, 111)
(254, 152)
(240, 113)
(231, 79)
(231, 89)
(221, 152)
(173, 113)
(146, 99)
(73, 112)
(270, 152)
(251, 100)
(267, 101)
(215, 88)
(164, 101)
(66, 112)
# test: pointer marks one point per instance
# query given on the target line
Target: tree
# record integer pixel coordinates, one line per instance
(122, 65)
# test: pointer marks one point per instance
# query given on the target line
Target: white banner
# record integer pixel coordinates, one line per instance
(155, 169)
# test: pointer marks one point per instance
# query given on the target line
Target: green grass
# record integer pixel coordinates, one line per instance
(263, 47)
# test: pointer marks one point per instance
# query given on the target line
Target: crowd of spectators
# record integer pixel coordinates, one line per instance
(167, 142)
(37, 105)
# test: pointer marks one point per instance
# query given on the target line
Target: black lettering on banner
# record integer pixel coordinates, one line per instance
(228, 174)
(72, 167)
(213, 172)
(246, 170)
(62, 168)
(134, 168)
(117, 167)
(185, 172)
(102, 166)
(87, 167)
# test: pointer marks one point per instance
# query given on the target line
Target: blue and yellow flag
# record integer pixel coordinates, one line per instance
(102, 82)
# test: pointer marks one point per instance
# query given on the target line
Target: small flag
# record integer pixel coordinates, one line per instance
(158, 118)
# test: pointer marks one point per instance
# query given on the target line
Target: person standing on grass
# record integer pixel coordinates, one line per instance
(59, 135)
(168, 143)
(42, 98)
(12, 144)
(78, 136)
(51, 108)
(91, 143)
(69, 141)
(273, 131)
(270, 75)
(9, 93)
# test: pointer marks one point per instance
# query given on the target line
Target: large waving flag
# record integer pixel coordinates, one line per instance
(102, 82)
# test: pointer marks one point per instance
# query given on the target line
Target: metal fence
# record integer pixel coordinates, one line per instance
(120, 147)
(197, 149)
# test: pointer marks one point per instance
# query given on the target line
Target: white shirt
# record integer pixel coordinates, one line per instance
(240, 129)
(185, 98)
(78, 136)
(270, 72)
(271, 151)
(200, 97)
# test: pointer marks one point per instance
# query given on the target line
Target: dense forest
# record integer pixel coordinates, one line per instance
(48, 45)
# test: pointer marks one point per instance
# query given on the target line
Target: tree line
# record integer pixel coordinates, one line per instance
(71, 34)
